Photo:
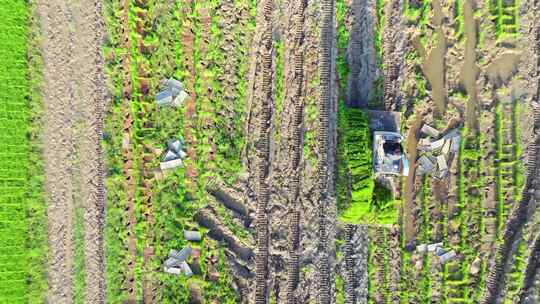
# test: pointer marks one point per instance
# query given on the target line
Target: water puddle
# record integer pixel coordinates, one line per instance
(469, 71)
(408, 207)
(433, 63)
(501, 70)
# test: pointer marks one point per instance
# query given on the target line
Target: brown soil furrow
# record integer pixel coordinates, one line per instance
(532, 273)
(263, 99)
(326, 70)
(148, 284)
(361, 54)
(394, 48)
(232, 18)
(91, 92)
(394, 252)
(354, 264)
(59, 93)
(379, 237)
(296, 86)
(350, 275)
(190, 116)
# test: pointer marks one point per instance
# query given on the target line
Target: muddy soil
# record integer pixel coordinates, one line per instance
(361, 53)
(74, 97)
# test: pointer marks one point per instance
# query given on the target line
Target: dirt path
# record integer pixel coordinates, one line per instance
(72, 35)
(59, 91)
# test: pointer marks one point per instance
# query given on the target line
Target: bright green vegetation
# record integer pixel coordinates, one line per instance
(379, 10)
(357, 160)
(499, 188)
(505, 15)
(369, 202)
(340, 290)
(371, 269)
(425, 236)
(509, 173)
(509, 170)
(417, 11)
(165, 205)
(342, 189)
(342, 44)
(459, 20)
(22, 209)
(458, 284)
(35, 202)
(517, 273)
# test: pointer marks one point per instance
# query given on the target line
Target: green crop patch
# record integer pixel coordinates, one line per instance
(366, 202)
(14, 94)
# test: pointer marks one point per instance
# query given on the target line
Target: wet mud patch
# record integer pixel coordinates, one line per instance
(433, 64)
(501, 70)
(469, 71)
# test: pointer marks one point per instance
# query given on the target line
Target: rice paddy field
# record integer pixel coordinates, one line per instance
(276, 151)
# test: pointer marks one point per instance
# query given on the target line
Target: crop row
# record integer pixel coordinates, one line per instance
(505, 14)
(467, 224)
(510, 182)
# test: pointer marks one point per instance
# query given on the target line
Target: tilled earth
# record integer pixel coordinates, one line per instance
(74, 97)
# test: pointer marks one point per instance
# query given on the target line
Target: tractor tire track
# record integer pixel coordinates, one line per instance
(516, 222)
(89, 23)
(394, 46)
(522, 214)
(326, 71)
(263, 99)
(532, 273)
(296, 101)
(59, 94)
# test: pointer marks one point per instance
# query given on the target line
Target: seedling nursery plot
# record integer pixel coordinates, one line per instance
(328, 151)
